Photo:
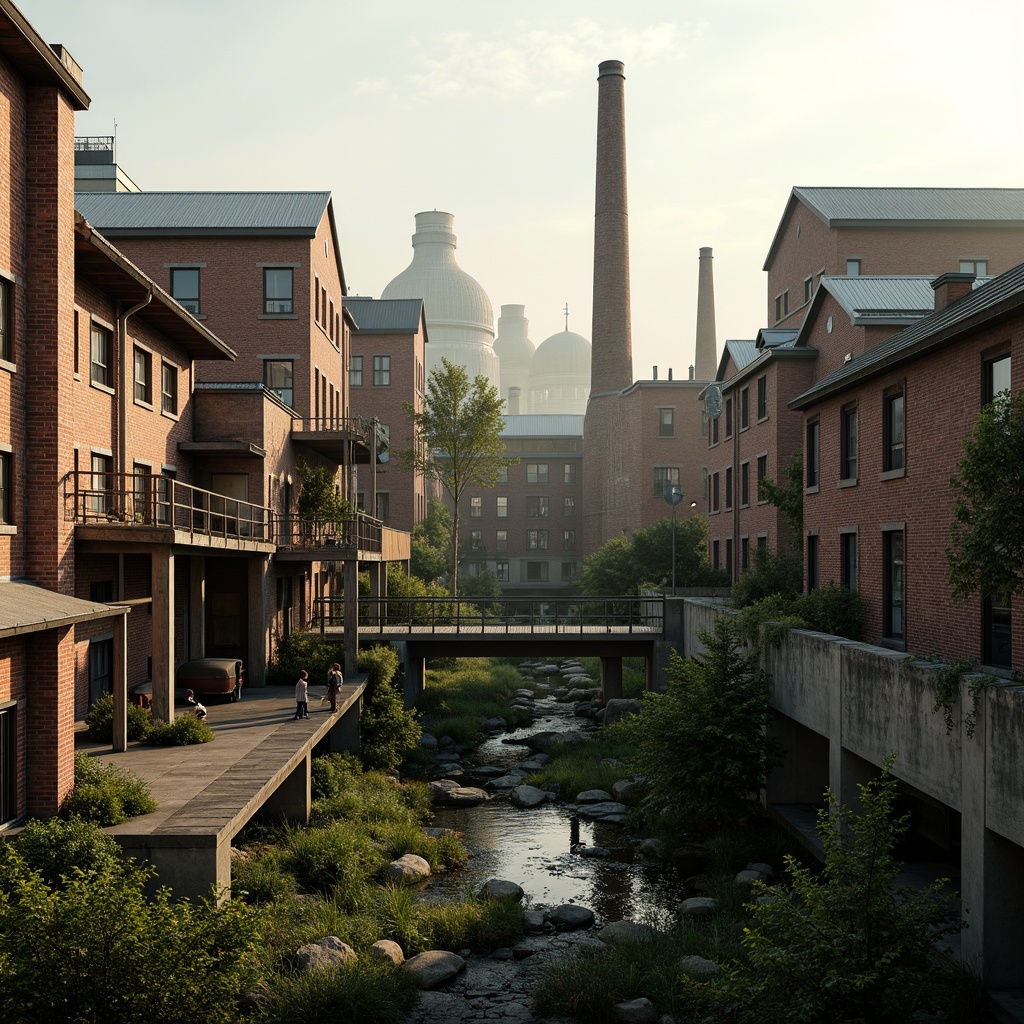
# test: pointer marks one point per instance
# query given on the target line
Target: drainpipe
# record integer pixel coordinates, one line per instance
(122, 405)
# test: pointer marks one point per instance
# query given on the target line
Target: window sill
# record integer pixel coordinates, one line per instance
(7, 365)
(101, 387)
(763, 419)
(8, 531)
(143, 405)
(893, 474)
(892, 644)
(848, 482)
(813, 489)
(278, 316)
(169, 415)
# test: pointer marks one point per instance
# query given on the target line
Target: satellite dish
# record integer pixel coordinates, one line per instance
(713, 400)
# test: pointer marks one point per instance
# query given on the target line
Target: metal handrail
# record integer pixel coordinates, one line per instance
(354, 530)
(568, 616)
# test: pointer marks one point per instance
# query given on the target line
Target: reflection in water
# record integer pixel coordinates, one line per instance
(536, 847)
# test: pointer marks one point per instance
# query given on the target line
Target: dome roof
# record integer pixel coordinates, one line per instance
(450, 295)
(563, 354)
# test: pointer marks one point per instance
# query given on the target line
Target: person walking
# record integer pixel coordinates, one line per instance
(302, 696)
(334, 683)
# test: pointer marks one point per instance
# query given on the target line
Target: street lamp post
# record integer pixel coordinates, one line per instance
(673, 495)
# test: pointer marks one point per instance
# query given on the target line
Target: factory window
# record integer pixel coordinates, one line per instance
(501, 572)
(476, 540)
(143, 376)
(569, 505)
(536, 472)
(169, 388)
(476, 507)
(536, 540)
(536, 572)
(502, 509)
(101, 345)
(812, 562)
(811, 453)
(382, 371)
(848, 560)
(536, 506)
(570, 570)
(892, 584)
(501, 540)
(762, 397)
(277, 290)
(808, 288)
(728, 417)
(848, 442)
(997, 376)
(665, 478)
(714, 492)
(277, 377)
(6, 319)
(892, 432)
(569, 540)
(185, 287)
(355, 372)
(782, 305)
(979, 268)
(666, 423)
(569, 473)
(6, 510)
(728, 488)
(744, 408)
(853, 268)
(744, 484)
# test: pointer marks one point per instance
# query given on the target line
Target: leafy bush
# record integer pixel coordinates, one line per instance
(848, 945)
(702, 745)
(773, 572)
(833, 609)
(387, 732)
(59, 849)
(337, 860)
(309, 651)
(95, 950)
(100, 720)
(183, 731)
(105, 793)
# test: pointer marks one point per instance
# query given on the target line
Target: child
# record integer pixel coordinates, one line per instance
(302, 696)
(197, 709)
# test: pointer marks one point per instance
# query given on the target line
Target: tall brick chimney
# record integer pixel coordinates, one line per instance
(706, 361)
(612, 352)
(951, 287)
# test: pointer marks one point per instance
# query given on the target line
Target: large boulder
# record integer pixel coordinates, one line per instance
(604, 810)
(325, 953)
(698, 906)
(458, 796)
(620, 707)
(593, 796)
(569, 916)
(501, 889)
(626, 790)
(527, 796)
(427, 741)
(387, 952)
(636, 1011)
(408, 869)
(697, 966)
(548, 740)
(625, 931)
(433, 968)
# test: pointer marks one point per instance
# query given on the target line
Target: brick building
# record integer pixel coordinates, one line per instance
(386, 372)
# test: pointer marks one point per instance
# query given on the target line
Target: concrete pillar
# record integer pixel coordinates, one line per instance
(344, 736)
(259, 620)
(191, 866)
(351, 616)
(415, 680)
(611, 678)
(650, 679)
(291, 801)
(197, 607)
(376, 575)
(120, 670)
(162, 569)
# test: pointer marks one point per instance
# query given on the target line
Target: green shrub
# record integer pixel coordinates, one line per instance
(702, 745)
(310, 651)
(183, 731)
(772, 572)
(387, 732)
(833, 609)
(331, 774)
(100, 720)
(95, 949)
(60, 849)
(848, 944)
(366, 991)
(337, 859)
(260, 877)
(105, 793)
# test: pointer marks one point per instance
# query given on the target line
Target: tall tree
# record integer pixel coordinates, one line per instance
(457, 439)
(986, 539)
(431, 543)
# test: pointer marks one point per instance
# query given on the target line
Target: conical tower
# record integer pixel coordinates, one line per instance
(706, 359)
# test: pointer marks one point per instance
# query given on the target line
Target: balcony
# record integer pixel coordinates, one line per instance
(355, 535)
(347, 440)
(143, 508)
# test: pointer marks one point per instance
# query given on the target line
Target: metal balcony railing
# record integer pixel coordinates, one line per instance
(354, 531)
(145, 500)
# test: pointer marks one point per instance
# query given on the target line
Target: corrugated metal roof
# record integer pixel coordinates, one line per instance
(384, 316)
(776, 337)
(915, 204)
(543, 425)
(743, 353)
(275, 212)
(859, 295)
(927, 331)
(27, 608)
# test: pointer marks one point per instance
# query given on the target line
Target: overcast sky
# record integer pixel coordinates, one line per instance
(487, 110)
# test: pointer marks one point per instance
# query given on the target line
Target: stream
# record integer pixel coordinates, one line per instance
(535, 847)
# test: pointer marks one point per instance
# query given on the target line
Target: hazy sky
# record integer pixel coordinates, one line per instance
(488, 111)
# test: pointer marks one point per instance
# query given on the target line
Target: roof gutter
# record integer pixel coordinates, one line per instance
(122, 405)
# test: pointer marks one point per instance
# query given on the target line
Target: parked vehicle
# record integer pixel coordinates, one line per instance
(208, 676)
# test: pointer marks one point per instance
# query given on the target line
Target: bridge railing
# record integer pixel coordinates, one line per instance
(503, 615)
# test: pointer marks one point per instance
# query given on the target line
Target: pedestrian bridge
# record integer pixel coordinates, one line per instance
(610, 628)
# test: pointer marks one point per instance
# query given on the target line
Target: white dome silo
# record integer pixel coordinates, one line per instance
(560, 375)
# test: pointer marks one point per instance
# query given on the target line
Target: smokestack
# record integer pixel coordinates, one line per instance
(707, 345)
(612, 352)
(655, 377)
(513, 401)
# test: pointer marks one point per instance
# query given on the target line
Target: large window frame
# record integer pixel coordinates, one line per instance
(501, 508)
(996, 376)
(537, 506)
(536, 540)
(848, 443)
(894, 432)
(6, 320)
(848, 559)
(185, 288)
(536, 472)
(143, 388)
(762, 397)
(355, 372)
(382, 371)
(6, 498)
(101, 355)
(812, 455)
(666, 422)
(168, 388)
(894, 625)
(278, 291)
(665, 478)
(279, 377)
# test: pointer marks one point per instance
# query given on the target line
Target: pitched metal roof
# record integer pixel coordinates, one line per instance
(999, 299)
(543, 425)
(878, 296)
(836, 205)
(902, 207)
(776, 337)
(742, 352)
(203, 213)
(384, 316)
(27, 608)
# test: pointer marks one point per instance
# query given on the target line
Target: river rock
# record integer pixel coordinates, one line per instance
(460, 796)
(620, 707)
(489, 769)
(593, 796)
(496, 724)
(433, 968)
(387, 951)
(410, 868)
(446, 741)
(747, 876)
(696, 966)
(523, 693)
(636, 1011)
(625, 790)
(527, 796)
(594, 851)
(328, 952)
(653, 848)
(603, 810)
(509, 781)
(698, 906)
(500, 889)
(766, 869)
(545, 741)
(535, 921)
(625, 931)
(569, 916)
(427, 741)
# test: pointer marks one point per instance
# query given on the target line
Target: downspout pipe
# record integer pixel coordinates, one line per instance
(122, 405)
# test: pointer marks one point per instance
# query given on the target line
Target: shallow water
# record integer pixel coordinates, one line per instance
(535, 847)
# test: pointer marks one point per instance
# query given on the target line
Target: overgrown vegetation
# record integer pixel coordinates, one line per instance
(847, 944)
(105, 794)
(100, 720)
(787, 495)
(593, 764)
(828, 609)
(186, 729)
